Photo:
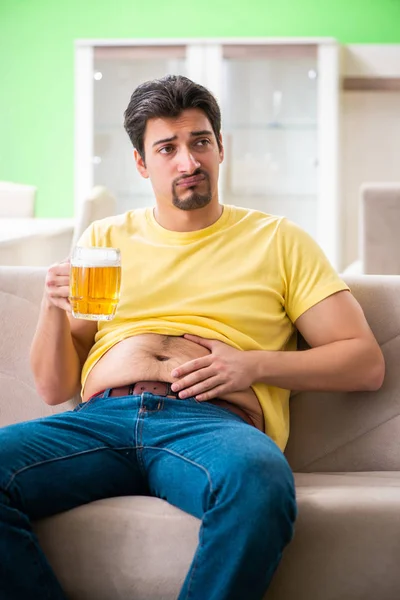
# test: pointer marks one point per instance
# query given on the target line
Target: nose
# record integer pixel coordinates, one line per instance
(187, 162)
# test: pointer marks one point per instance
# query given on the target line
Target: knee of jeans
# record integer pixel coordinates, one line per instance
(271, 498)
(278, 488)
(265, 481)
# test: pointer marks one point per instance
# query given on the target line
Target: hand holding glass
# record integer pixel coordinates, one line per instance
(95, 283)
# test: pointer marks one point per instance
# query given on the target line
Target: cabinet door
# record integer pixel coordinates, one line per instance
(117, 72)
(280, 124)
(269, 107)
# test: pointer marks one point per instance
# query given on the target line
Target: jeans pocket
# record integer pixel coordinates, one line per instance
(83, 405)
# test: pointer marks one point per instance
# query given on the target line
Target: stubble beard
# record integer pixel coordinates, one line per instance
(194, 200)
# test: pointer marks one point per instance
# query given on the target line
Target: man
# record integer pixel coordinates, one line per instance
(185, 393)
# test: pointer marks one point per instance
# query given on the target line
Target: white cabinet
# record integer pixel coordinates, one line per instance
(269, 104)
(121, 70)
(280, 121)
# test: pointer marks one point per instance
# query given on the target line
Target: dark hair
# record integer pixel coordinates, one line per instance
(167, 97)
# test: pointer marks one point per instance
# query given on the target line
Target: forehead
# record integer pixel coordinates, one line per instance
(188, 121)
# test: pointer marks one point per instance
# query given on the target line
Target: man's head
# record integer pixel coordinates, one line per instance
(174, 125)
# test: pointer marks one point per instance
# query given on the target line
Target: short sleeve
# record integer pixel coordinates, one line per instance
(99, 233)
(88, 237)
(308, 275)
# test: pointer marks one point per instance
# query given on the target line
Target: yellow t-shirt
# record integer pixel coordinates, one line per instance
(244, 280)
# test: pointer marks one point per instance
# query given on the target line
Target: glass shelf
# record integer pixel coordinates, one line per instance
(273, 126)
(274, 196)
(111, 127)
(106, 127)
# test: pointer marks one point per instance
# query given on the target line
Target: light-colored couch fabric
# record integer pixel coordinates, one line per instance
(34, 242)
(41, 242)
(344, 449)
(379, 230)
(380, 224)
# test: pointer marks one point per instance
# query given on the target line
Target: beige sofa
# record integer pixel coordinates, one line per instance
(379, 225)
(344, 449)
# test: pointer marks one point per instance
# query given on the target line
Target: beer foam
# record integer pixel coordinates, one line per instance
(95, 256)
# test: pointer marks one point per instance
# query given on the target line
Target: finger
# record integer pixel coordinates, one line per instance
(59, 292)
(193, 378)
(60, 280)
(198, 340)
(200, 388)
(54, 273)
(216, 392)
(192, 365)
(61, 268)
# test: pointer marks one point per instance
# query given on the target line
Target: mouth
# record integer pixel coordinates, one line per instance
(191, 181)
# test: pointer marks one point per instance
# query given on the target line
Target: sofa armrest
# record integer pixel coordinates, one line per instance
(21, 290)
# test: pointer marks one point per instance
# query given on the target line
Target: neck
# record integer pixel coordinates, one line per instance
(176, 219)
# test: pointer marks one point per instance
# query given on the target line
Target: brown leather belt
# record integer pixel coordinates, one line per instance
(158, 388)
(163, 388)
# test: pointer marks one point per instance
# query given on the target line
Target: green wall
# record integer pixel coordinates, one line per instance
(37, 62)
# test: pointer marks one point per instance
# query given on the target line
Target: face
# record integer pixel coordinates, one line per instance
(182, 160)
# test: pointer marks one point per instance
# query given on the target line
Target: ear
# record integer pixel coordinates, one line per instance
(222, 151)
(140, 164)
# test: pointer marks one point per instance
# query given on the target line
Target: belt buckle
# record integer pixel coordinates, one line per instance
(158, 388)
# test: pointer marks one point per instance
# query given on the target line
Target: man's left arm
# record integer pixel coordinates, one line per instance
(343, 356)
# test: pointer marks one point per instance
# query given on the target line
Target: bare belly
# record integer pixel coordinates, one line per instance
(152, 357)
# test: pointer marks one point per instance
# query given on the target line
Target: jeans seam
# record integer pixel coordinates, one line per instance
(43, 462)
(210, 484)
(39, 564)
(195, 561)
(192, 462)
(138, 419)
(84, 405)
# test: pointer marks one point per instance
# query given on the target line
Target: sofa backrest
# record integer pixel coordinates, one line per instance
(358, 431)
(21, 290)
(380, 223)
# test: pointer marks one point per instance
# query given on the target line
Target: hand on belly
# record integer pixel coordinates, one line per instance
(224, 370)
(153, 357)
(141, 358)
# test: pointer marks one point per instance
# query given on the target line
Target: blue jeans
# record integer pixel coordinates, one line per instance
(202, 458)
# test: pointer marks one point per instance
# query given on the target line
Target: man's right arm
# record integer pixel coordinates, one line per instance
(61, 343)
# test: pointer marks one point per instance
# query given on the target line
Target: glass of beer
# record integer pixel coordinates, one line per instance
(95, 282)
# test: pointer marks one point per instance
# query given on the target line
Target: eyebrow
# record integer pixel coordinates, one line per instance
(175, 137)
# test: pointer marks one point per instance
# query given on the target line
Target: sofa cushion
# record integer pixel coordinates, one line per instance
(140, 548)
(347, 540)
(119, 548)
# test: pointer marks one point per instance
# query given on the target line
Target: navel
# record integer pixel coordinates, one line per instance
(162, 358)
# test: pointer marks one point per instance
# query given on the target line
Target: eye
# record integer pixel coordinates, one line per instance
(203, 143)
(166, 150)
